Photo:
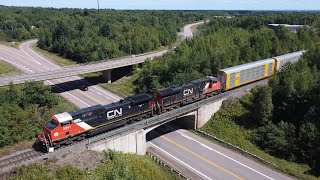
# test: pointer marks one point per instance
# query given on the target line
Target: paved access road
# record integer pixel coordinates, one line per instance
(198, 158)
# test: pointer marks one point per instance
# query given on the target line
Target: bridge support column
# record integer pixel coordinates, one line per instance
(134, 142)
(206, 112)
(107, 75)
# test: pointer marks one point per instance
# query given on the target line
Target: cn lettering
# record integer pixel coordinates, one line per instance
(114, 113)
(187, 92)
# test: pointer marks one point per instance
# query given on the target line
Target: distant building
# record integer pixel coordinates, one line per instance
(227, 17)
(292, 28)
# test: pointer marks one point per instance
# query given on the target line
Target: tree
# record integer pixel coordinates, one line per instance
(262, 105)
(37, 93)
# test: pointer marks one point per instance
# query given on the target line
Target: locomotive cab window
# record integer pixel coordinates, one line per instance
(65, 123)
(51, 125)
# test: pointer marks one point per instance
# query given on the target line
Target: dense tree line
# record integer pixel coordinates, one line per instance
(84, 35)
(285, 114)
(223, 43)
(24, 110)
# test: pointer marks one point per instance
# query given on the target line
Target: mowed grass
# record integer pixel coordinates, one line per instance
(16, 44)
(223, 126)
(55, 57)
(7, 69)
(123, 87)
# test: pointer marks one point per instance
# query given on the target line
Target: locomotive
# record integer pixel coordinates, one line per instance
(64, 128)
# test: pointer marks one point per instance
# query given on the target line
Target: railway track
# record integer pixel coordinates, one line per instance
(18, 158)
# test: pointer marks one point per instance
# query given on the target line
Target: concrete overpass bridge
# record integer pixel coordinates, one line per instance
(101, 66)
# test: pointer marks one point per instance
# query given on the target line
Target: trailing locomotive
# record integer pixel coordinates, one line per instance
(67, 127)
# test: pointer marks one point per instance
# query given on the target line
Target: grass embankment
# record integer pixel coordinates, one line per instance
(16, 44)
(55, 57)
(224, 126)
(7, 69)
(123, 87)
(117, 166)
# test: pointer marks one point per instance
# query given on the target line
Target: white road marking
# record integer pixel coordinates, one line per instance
(70, 94)
(16, 64)
(56, 66)
(76, 77)
(20, 55)
(185, 164)
(184, 135)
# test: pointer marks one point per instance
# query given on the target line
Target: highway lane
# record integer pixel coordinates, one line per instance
(206, 160)
(187, 30)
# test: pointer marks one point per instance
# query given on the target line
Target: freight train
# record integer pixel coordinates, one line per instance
(64, 128)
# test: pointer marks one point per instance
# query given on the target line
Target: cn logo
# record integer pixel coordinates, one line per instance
(114, 113)
(187, 92)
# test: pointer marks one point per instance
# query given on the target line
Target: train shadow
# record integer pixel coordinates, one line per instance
(76, 84)
(169, 127)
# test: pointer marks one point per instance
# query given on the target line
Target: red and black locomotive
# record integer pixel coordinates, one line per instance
(67, 127)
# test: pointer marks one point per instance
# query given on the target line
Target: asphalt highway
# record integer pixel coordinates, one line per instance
(198, 158)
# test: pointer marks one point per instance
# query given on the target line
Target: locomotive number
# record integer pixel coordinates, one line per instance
(66, 128)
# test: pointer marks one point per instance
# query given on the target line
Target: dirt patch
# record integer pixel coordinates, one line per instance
(83, 159)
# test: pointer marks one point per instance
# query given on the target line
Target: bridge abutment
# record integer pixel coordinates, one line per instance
(107, 75)
(134, 142)
(205, 112)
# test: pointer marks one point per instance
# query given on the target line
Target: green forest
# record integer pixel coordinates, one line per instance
(282, 119)
(224, 43)
(25, 109)
(86, 35)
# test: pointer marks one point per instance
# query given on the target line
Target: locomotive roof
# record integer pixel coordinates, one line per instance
(247, 66)
(87, 109)
(204, 79)
(62, 117)
(140, 98)
(122, 102)
(170, 90)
